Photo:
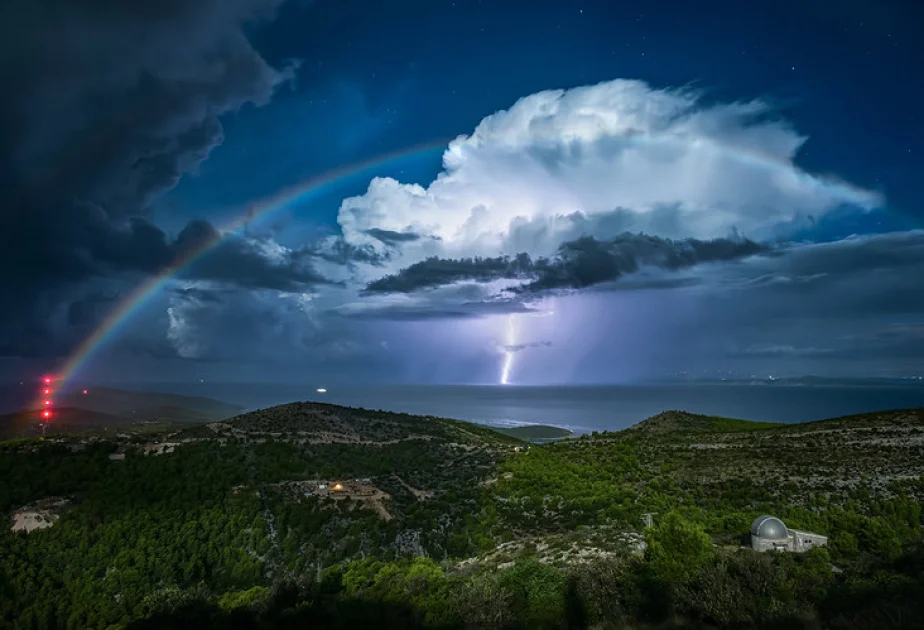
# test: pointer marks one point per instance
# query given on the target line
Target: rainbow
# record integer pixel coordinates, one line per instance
(141, 294)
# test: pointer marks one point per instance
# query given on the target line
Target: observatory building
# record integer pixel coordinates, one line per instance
(768, 533)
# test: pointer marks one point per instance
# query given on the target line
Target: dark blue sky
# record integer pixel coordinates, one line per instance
(379, 76)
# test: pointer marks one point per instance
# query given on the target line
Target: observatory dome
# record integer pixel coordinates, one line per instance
(769, 528)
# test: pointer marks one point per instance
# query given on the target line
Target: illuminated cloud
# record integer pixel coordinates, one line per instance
(600, 160)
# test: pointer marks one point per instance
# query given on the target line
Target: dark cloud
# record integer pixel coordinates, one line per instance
(390, 237)
(243, 263)
(114, 101)
(588, 261)
(580, 263)
(107, 104)
(338, 251)
(434, 272)
(253, 325)
(143, 247)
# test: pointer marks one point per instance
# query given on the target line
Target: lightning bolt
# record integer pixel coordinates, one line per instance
(508, 354)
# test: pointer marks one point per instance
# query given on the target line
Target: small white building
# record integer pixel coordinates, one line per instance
(769, 533)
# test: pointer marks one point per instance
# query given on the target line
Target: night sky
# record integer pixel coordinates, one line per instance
(551, 192)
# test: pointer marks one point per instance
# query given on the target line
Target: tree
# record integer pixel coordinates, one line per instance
(676, 549)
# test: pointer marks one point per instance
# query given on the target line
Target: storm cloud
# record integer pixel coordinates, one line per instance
(580, 263)
(434, 272)
(246, 262)
(107, 105)
(390, 237)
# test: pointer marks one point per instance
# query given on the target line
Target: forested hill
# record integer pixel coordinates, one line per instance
(313, 515)
(333, 424)
(676, 422)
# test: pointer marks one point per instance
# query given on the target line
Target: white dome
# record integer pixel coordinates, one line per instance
(769, 528)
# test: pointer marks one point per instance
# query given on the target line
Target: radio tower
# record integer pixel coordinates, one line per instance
(46, 413)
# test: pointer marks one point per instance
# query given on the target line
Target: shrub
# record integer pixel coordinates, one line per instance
(537, 593)
(607, 591)
(745, 588)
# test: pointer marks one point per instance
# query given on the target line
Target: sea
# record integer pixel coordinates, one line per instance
(581, 409)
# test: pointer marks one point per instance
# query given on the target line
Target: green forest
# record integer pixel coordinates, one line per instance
(476, 530)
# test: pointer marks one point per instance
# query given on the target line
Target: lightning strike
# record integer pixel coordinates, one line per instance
(508, 353)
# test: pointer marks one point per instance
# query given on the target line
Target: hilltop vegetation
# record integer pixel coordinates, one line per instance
(321, 516)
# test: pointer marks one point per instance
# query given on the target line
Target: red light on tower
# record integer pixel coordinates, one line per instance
(46, 391)
(47, 402)
(84, 391)
(46, 414)
(47, 380)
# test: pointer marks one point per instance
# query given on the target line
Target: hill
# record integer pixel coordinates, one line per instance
(682, 421)
(107, 411)
(337, 517)
(729, 470)
(325, 423)
(119, 402)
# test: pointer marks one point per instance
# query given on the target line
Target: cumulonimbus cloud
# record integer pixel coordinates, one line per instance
(602, 159)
